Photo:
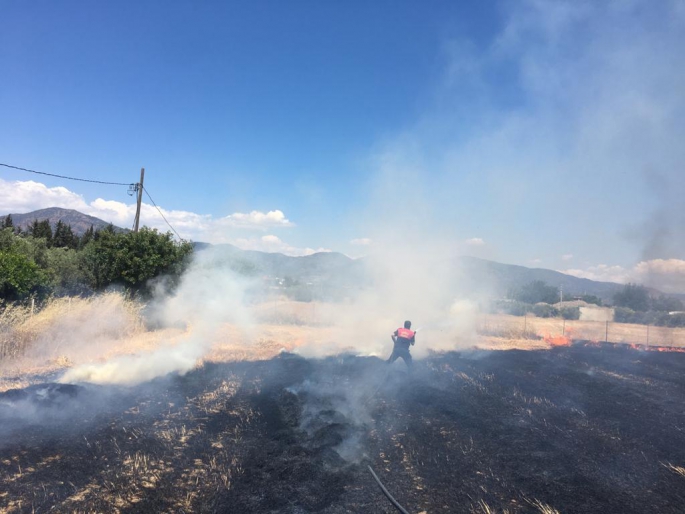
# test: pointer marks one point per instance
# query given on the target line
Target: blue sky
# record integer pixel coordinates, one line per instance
(538, 133)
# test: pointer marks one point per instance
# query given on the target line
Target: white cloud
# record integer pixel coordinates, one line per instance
(475, 241)
(535, 261)
(601, 272)
(256, 219)
(274, 244)
(26, 196)
(567, 257)
(667, 275)
(363, 241)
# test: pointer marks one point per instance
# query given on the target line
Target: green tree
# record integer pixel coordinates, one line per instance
(87, 237)
(41, 229)
(545, 311)
(590, 298)
(535, 292)
(30, 247)
(665, 303)
(65, 273)
(19, 276)
(634, 297)
(570, 312)
(64, 237)
(131, 259)
(7, 222)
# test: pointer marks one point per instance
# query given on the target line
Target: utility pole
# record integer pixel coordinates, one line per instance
(139, 189)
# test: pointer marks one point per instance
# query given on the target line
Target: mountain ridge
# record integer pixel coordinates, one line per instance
(78, 221)
(334, 270)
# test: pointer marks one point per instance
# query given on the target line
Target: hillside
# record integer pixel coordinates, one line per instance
(336, 272)
(506, 276)
(79, 222)
(335, 275)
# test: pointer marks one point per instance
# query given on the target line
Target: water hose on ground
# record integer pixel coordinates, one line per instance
(387, 494)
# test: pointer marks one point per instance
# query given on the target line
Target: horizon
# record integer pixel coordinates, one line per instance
(530, 267)
(543, 135)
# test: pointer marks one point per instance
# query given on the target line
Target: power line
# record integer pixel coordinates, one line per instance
(99, 182)
(65, 177)
(160, 213)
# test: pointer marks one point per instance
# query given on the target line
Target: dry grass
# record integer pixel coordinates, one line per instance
(678, 470)
(483, 508)
(543, 508)
(109, 315)
(68, 332)
(515, 327)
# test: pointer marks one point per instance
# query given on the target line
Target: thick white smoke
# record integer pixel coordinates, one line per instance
(210, 294)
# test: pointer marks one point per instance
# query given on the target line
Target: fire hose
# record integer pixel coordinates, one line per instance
(387, 494)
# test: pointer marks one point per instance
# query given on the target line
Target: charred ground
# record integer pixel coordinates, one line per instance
(581, 429)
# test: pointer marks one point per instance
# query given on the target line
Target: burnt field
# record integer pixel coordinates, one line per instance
(574, 429)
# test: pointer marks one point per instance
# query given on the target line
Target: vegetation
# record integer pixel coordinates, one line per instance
(635, 305)
(544, 310)
(534, 292)
(590, 298)
(40, 262)
(634, 297)
(570, 312)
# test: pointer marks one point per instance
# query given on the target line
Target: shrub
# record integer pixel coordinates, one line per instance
(543, 310)
(570, 312)
(634, 297)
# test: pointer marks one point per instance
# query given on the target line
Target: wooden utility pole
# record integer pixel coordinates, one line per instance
(140, 199)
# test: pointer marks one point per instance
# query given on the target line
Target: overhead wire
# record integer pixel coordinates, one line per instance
(99, 182)
(160, 213)
(65, 177)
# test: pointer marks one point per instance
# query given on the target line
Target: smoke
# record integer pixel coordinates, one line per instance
(335, 415)
(209, 295)
(338, 404)
(437, 188)
(412, 266)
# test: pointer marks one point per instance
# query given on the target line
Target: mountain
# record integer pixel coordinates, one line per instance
(79, 222)
(507, 276)
(333, 274)
(338, 275)
(329, 275)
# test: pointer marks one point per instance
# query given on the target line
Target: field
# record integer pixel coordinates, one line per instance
(253, 428)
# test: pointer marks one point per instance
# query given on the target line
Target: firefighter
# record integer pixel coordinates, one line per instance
(403, 338)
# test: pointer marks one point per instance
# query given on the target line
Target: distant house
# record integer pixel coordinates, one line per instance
(596, 313)
(589, 311)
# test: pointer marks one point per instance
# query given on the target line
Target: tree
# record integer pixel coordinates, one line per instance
(64, 271)
(570, 312)
(665, 303)
(87, 237)
(535, 292)
(634, 297)
(133, 258)
(41, 229)
(545, 311)
(7, 222)
(19, 276)
(64, 237)
(590, 298)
